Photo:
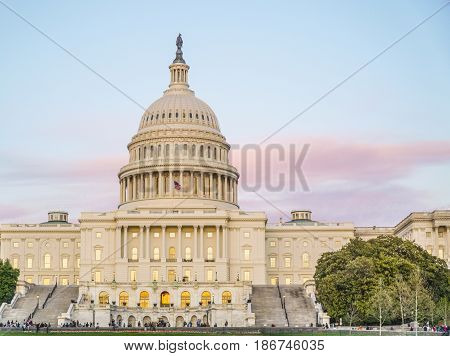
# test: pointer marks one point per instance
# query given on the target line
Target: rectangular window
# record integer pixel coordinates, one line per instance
(288, 280)
(273, 281)
(29, 262)
(156, 234)
(247, 254)
(273, 243)
(78, 262)
(155, 275)
(273, 262)
(287, 243)
(171, 234)
(246, 234)
(188, 234)
(98, 235)
(30, 244)
(78, 244)
(46, 281)
(440, 234)
(441, 252)
(98, 276)
(47, 261)
(77, 281)
(65, 244)
(246, 276)
(15, 262)
(65, 262)
(64, 281)
(29, 279)
(323, 244)
(187, 275)
(209, 275)
(98, 254)
(133, 276)
(210, 234)
(428, 234)
(287, 262)
(15, 244)
(171, 275)
(134, 235)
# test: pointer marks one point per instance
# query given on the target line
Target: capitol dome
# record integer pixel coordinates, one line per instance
(178, 156)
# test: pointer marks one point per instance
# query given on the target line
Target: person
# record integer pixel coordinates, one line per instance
(226, 323)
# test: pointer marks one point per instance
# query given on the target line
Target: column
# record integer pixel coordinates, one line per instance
(235, 191)
(201, 242)
(134, 186)
(225, 242)
(118, 247)
(211, 186)
(129, 188)
(217, 242)
(149, 244)
(227, 198)
(195, 242)
(179, 244)
(202, 185)
(191, 183)
(142, 242)
(146, 185)
(163, 252)
(171, 190)
(125, 242)
(219, 178)
(182, 180)
(160, 181)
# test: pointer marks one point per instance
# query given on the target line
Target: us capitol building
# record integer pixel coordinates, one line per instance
(178, 247)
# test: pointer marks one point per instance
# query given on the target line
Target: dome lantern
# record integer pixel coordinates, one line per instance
(179, 69)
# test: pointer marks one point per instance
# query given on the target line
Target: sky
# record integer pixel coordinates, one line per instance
(378, 146)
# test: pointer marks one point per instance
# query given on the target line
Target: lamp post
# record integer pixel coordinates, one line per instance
(93, 313)
(284, 302)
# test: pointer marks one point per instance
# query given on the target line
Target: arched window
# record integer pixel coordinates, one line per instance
(201, 151)
(209, 152)
(123, 299)
(215, 153)
(156, 253)
(193, 151)
(188, 254)
(206, 298)
(47, 260)
(165, 299)
(172, 254)
(305, 260)
(210, 253)
(226, 297)
(134, 253)
(103, 298)
(185, 299)
(144, 299)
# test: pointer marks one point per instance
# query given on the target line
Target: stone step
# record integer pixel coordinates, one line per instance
(57, 304)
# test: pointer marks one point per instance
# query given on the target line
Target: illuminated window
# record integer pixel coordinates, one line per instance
(77, 280)
(323, 244)
(98, 276)
(78, 244)
(273, 281)
(98, 235)
(246, 276)
(185, 299)
(15, 262)
(305, 243)
(133, 276)
(246, 234)
(188, 234)
(171, 275)
(123, 299)
(209, 275)
(29, 279)
(155, 275)
(187, 274)
(172, 253)
(78, 262)
(156, 234)
(156, 253)
(188, 254)
(430, 249)
(287, 243)
(273, 243)
(441, 252)
(30, 244)
(273, 262)
(171, 234)
(65, 244)
(134, 254)
(206, 298)
(246, 254)
(46, 281)
(30, 262)
(226, 297)
(103, 298)
(47, 261)
(98, 254)
(210, 253)
(134, 235)
(287, 262)
(210, 234)
(428, 234)
(305, 260)
(288, 280)
(165, 299)
(64, 281)
(15, 244)
(144, 299)
(65, 262)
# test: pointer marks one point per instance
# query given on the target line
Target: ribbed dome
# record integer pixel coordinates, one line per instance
(179, 106)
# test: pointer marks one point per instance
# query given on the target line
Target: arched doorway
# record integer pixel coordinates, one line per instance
(147, 321)
(206, 298)
(131, 321)
(185, 299)
(119, 320)
(165, 299)
(144, 299)
(179, 322)
(194, 320)
(103, 298)
(205, 320)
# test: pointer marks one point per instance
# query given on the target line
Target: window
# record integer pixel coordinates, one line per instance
(273, 243)
(144, 299)
(78, 244)
(64, 281)
(187, 275)
(247, 254)
(77, 280)
(134, 254)
(273, 262)
(287, 243)
(29, 279)
(440, 234)
(246, 276)
(430, 249)
(98, 235)
(185, 299)
(15, 262)
(305, 260)
(273, 281)
(46, 281)
(210, 253)
(30, 262)
(123, 299)
(171, 275)
(155, 275)
(226, 297)
(288, 280)
(15, 244)
(65, 244)
(156, 234)
(156, 254)
(171, 234)
(165, 299)
(305, 243)
(209, 275)
(98, 254)
(246, 234)
(30, 244)
(65, 262)
(172, 253)
(133, 275)
(287, 262)
(188, 234)
(323, 244)
(103, 298)
(428, 234)
(134, 235)
(441, 252)
(206, 298)
(338, 244)
(47, 262)
(78, 262)
(188, 254)
(98, 276)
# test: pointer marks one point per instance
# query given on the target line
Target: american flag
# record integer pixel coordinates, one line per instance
(177, 185)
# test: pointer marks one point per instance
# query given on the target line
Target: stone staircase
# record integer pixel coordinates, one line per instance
(266, 304)
(26, 304)
(57, 304)
(300, 308)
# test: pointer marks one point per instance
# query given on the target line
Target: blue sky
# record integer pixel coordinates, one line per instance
(257, 64)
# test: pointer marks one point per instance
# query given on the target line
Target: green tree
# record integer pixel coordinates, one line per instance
(8, 281)
(381, 304)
